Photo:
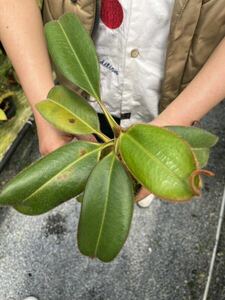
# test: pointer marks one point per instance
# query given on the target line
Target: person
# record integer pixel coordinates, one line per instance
(131, 40)
(191, 70)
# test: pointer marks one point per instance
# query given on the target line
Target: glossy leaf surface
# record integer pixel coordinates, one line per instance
(52, 179)
(160, 160)
(73, 52)
(69, 112)
(106, 211)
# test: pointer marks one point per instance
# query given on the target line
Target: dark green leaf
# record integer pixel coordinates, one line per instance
(51, 180)
(106, 211)
(73, 52)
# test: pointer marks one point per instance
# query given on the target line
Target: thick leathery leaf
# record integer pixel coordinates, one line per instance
(2, 115)
(73, 52)
(51, 180)
(196, 137)
(202, 155)
(80, 197)
(199, 139)
(160, 160)
(69, 112)
(106, 210)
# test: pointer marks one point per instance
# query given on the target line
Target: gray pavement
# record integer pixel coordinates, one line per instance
(166, 256)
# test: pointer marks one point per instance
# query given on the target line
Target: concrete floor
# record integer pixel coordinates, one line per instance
(166, 256)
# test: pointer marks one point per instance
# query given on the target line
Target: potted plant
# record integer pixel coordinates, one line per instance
(167, 161)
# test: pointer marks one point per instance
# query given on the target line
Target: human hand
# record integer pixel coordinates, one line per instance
(50, 138)
(86, 137)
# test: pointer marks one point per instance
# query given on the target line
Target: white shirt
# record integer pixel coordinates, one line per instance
(132, 56)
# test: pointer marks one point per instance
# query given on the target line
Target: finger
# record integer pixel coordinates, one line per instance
(88, 138)
(68, 137)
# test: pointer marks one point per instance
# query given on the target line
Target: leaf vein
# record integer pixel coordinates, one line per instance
(156, 159)
(63, 170)
(73, 114)
(75, 55)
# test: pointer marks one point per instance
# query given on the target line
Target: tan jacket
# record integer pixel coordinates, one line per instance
(197, 27)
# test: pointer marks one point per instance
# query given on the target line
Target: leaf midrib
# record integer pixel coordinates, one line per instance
(75, 55)
(104, 209)
(74, 115)
(154, 158)
(63, 170)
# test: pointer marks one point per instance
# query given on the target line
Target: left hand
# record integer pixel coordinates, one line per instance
(87, 138)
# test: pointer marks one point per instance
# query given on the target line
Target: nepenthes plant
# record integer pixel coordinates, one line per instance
(168, 161)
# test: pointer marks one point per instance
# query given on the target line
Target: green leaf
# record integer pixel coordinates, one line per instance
(202, 155)
(73, 52)
(199, 139)
(51, 180)
(106, 210)
(69, 112)
(196, 137)
(80, 197)
(3, 116)
(160, 160)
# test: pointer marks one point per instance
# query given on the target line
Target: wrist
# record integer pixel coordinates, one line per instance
(162, 121)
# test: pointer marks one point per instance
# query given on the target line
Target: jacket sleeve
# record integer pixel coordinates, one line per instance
(84, 9)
